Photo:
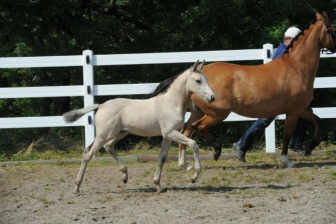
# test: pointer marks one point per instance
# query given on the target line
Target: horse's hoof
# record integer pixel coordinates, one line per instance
(193, 181)
(218, 149)
(125, 181)
(308, 150)
(216, 155)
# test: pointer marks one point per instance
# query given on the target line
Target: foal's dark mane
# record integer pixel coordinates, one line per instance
(297, 36)
(163, 86)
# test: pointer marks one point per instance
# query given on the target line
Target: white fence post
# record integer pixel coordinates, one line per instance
(270, 130)
(88, 96)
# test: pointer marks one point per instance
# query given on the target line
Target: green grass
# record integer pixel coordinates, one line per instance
(46, 201)
(44, 150)
(333, 174)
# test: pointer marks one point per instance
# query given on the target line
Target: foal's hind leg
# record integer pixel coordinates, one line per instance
(109, 147)
(87, 156)
(162, 159)
(308, 114)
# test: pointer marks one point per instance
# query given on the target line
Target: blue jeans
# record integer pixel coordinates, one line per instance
(255, 130)
(258, 127)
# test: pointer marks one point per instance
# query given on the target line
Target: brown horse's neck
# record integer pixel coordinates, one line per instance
(305, 52)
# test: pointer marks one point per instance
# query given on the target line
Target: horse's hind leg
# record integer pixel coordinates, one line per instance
(203, 124)
(162, 159)
(87, 156)
(109, 147)
(308, 114)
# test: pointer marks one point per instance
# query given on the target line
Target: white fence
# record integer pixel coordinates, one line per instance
(88, 90)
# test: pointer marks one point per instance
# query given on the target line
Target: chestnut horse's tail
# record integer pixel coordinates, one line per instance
(74, 115)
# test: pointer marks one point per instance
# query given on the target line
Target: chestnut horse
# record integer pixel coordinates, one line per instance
(282, 86)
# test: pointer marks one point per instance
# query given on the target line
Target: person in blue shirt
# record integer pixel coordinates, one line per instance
(261, 124)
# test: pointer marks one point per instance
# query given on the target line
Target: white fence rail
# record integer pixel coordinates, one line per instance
(88, 90)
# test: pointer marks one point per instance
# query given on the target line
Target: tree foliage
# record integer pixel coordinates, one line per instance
(67, 27)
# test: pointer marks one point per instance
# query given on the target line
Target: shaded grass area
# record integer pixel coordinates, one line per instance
(57, 145)
(225, 175)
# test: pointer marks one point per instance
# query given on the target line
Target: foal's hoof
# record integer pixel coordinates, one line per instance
(125, 181)
(193, 181)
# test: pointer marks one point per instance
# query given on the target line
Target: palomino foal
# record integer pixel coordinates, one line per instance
(162, 115)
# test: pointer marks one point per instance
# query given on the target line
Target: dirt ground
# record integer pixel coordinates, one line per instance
(260, 191)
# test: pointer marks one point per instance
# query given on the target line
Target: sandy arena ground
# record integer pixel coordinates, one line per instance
(226, 192)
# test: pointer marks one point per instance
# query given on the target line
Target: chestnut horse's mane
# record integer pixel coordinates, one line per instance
(297, 36)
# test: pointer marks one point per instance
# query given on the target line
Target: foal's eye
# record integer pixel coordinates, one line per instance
(198, 81)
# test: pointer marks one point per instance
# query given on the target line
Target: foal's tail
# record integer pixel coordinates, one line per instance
(74, 115)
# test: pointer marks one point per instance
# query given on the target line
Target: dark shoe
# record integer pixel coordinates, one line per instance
(298, 149)
(240, 153)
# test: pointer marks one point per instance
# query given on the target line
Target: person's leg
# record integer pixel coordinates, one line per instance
(246, 141)
(299, 134)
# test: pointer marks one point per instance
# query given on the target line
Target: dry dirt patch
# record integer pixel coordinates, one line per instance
(226, 192)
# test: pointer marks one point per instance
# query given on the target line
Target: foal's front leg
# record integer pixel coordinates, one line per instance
(187, 131)
(162, 159)
(180, 138)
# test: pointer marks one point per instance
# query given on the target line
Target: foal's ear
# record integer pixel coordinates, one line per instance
(200, 66)
(193, 68)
